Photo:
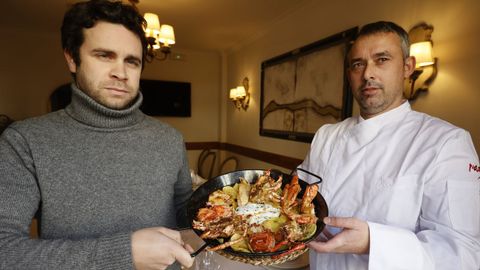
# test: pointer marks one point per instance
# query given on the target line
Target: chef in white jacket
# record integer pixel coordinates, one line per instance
(403, 188)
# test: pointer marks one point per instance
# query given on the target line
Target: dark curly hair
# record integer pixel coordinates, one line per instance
(86, 14)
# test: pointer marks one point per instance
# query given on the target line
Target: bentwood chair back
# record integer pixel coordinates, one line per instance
(206, 163)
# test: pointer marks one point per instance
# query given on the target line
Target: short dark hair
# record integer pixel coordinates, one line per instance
(387, 27)
(86, 14)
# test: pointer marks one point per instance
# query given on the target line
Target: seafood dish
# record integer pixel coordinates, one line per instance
(259, 217)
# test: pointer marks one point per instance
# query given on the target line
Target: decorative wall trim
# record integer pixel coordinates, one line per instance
(276, 159)
(202, 145)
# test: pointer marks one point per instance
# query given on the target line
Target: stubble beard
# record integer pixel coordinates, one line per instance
(378, 103)
(95, 92)
(372, 104)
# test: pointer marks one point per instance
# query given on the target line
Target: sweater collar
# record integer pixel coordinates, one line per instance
(89, 112)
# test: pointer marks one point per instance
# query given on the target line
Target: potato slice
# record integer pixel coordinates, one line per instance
(236, 187)
(243, 192)
(241, 246)
(274, 224)
(219, 197)
(230, 191)
(271, 225)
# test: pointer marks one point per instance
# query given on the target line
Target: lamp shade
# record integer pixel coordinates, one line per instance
(233, 93)
(240, 93)
(153, 24)
(166, 37)
(423, 53)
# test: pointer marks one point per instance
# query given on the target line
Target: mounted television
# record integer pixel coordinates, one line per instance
(166, 98)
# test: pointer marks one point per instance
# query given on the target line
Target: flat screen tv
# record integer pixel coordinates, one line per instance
(166, 98)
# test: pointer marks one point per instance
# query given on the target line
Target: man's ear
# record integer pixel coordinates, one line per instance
(409, 66)
(70, 62)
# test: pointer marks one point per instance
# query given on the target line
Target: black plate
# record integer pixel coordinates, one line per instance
(200, 197)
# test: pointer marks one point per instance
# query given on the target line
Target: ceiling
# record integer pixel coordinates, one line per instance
(199, 24)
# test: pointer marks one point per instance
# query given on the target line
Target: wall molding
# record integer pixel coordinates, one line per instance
(276, 159)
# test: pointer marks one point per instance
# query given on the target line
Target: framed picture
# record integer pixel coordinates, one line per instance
(306, 88)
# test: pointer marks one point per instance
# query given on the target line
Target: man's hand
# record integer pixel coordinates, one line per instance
(159, 247)
(355, 237)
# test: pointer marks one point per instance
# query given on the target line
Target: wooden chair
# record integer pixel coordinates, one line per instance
(206, 163)
(228, 165)
(34, 229)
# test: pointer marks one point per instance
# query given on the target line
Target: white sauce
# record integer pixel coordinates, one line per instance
(257, 213)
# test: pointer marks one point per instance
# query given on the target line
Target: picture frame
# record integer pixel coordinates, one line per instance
(306, 88)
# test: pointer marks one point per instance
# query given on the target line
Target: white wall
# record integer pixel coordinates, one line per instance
(453, 96)
(202, 70)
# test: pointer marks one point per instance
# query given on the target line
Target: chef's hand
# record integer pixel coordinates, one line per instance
(158, 247)
(354, 238)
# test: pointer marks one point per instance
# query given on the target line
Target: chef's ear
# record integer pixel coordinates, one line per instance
(409, 66)
(72, 66)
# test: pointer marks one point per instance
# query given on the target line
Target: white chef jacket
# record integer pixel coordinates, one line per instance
(414, 178)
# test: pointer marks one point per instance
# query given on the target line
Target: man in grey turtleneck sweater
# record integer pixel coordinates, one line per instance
(106, 180)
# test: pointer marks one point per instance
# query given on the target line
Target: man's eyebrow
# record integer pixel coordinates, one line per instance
(110, 52)
(376, 55)
(103, 51)
(353, 60)
(382, 54)
(133, 57)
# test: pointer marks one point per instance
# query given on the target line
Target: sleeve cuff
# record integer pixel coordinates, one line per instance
(114, 252)
(395, 248)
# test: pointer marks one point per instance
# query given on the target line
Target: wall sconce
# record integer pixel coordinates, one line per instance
(426, 66)
(240, 95)
(159, 38)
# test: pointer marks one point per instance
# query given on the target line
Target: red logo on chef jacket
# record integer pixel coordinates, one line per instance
(474, 168)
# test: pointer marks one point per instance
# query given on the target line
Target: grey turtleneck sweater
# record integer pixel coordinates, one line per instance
(95, 175)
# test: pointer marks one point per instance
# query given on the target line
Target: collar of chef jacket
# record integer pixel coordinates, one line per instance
(367, 129)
